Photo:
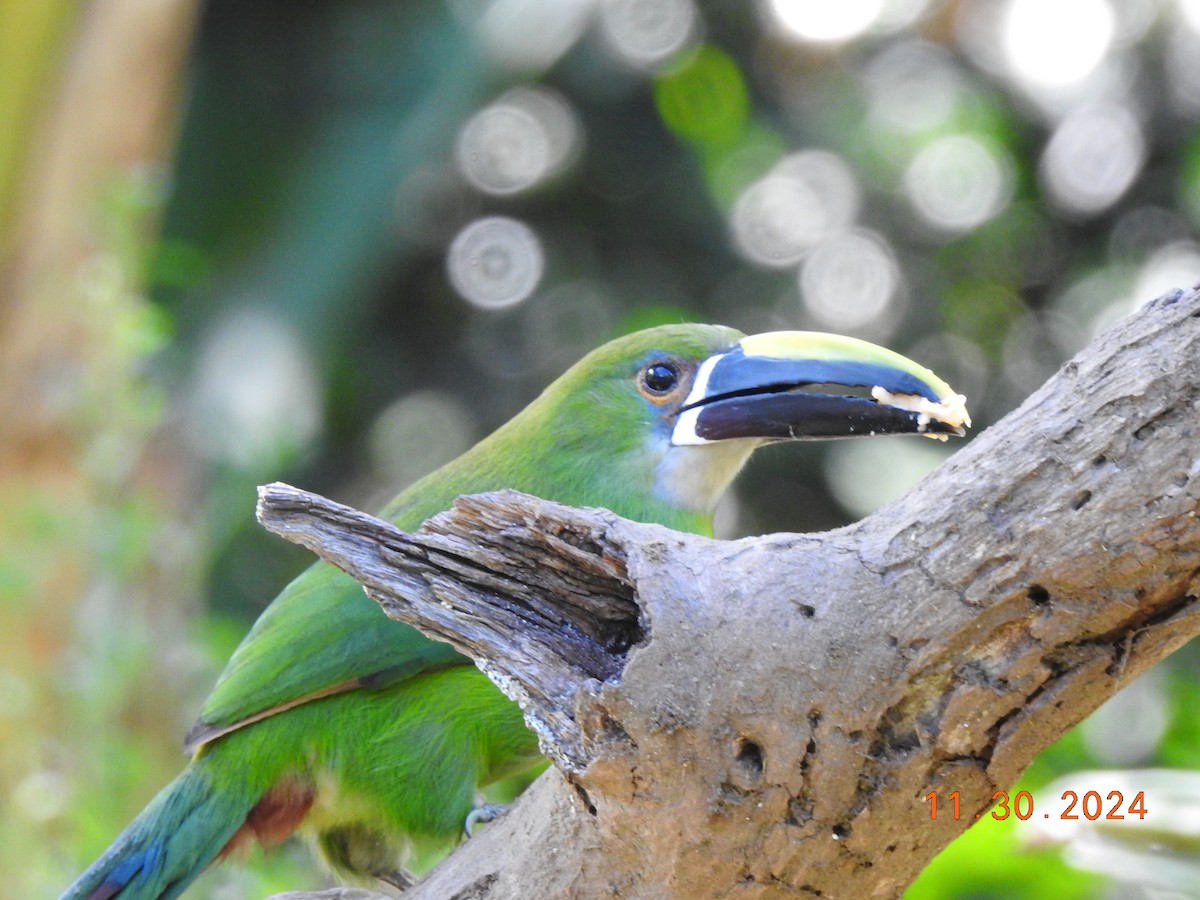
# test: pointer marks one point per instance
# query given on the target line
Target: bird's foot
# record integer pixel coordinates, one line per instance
(399, 879)
(481, 815)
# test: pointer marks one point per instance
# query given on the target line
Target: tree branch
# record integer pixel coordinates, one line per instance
(766, 716)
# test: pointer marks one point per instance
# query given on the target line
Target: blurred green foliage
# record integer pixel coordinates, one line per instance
(299, 294)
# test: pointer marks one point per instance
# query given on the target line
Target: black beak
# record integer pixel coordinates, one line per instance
(811, 386)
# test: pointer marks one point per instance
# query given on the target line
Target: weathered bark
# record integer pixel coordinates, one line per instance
(766, 716)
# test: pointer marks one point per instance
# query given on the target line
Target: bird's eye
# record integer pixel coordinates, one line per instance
(660, 378)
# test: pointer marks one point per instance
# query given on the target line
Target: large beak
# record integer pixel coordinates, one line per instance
(804, 385)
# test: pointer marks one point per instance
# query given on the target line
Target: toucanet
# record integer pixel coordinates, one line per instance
(356, 730)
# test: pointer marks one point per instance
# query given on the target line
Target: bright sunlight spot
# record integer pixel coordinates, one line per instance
(1057, 43)
(818, 20)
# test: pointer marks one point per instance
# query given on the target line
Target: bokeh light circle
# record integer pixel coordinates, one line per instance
(502, 150)
(864, 475)
(647, 33)
(850, 281)
(495, 262)
(777, 220)
(255, 393)
(527, 135)
(526, 34)
(1092, 158)
(802, 200)
(402, 445)
(1177, 265)
(1056, 43)
(913, 86)
(831, 178)
(1190, 12)
(1128, 728)
(956, 183)
(823, 21)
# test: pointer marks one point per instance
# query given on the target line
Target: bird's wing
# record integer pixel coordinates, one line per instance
(321, 636)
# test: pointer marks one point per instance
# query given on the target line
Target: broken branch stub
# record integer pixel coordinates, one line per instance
(538, 594)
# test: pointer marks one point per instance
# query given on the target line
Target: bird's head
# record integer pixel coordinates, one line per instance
(675, 411)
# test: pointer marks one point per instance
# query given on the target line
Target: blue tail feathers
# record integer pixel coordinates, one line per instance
(170, 842)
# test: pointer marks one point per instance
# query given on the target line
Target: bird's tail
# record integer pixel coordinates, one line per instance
(172, 840)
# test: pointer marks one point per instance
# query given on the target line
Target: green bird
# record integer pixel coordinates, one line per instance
(333, 720)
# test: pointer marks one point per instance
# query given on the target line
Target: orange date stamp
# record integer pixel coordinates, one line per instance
(1071, 805)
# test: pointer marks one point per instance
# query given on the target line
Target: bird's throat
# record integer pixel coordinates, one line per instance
(695, 477)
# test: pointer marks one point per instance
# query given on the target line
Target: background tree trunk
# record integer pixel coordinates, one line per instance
(767, 716)
(93, 581)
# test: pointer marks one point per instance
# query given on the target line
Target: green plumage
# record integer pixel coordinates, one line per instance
(399, 758)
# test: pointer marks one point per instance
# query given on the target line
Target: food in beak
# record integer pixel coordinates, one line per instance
(951, 411)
